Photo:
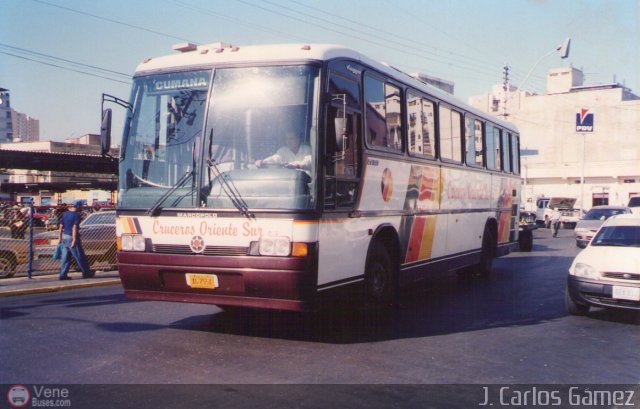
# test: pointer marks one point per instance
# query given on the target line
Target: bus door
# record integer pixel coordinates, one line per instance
(343, 237)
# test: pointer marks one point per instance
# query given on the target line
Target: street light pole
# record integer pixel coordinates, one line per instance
(564, 53)
(582, 174)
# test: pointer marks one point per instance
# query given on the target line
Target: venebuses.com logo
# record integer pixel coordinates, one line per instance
(20, 396)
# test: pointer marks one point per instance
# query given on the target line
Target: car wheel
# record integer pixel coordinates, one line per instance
(578, 244)
(7, 266)
(573, 307)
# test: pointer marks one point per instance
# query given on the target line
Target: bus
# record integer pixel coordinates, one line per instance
(398, 179)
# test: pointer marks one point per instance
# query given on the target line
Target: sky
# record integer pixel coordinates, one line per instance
(57, 57)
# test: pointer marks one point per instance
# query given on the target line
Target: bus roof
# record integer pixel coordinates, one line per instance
(191, 55)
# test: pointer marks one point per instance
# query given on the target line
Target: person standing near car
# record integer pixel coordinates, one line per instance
(555, 221)
(71, 243)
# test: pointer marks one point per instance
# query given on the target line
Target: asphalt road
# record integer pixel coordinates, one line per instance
(509, 329)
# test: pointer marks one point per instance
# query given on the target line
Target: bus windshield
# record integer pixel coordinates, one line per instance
(258, 150)
(261, 138)
(162, 135)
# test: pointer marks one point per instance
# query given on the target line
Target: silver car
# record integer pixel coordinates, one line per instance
(592, 220)
(13, 253)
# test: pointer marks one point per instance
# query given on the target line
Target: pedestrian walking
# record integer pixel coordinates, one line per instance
(555, 221)
(71, 243)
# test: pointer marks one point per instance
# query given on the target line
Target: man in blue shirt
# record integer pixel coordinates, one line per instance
(71, 244)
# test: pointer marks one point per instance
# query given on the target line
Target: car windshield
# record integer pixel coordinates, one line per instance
(602, 214)
(625, 236)
(100, 218)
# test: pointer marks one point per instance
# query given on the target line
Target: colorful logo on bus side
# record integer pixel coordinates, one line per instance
(387, 185)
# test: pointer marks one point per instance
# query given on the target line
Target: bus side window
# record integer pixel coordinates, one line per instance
(450, 134)
(421, 125)
(343, 162)
(515, 153)
(506, 152)
(493, 147)
(384, 120)
(473, 141)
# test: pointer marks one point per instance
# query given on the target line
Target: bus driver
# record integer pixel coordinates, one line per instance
(293, 155)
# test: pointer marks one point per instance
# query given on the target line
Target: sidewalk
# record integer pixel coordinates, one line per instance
(45, 283)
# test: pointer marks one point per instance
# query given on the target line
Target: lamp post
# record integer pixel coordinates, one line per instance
(564, 53)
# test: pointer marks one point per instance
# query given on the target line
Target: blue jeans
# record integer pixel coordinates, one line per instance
(77, 252)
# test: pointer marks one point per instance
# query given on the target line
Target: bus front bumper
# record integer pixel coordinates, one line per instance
(282, 283)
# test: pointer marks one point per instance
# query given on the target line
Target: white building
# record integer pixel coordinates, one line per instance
(606, 118)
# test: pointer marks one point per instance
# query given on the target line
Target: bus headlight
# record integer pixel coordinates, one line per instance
(585, 270)
(132, 242)
(275, 246)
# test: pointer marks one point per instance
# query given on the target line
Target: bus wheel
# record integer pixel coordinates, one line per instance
(379, 278)
(525, 240)
(484, 268)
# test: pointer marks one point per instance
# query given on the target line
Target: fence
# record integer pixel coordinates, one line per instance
(29, 238)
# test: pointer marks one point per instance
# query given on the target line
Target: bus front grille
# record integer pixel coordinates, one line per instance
(208, 251)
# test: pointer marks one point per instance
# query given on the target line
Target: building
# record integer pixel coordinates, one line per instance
(51, 187)
(25, 128)
(576, 132)
(16, 126)
(6, 124)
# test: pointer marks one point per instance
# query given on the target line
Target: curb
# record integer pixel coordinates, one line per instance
(55, 287)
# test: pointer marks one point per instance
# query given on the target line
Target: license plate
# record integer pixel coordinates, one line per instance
(626, 293)
(209, 281)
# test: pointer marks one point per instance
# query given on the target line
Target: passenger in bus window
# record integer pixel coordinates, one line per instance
(293, 155)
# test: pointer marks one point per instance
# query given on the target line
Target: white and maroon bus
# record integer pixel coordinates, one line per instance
(393, 179)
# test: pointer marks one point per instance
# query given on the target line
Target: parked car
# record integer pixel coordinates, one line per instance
(52, 223)
(634, 204)
(592, 220)
(607, 272)
(39, 217)
(568, 215)
(13, 252)
(98, 234)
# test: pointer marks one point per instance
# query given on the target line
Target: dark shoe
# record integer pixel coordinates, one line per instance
(89, 276)
(65, 278)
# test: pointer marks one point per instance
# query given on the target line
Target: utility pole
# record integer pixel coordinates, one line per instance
(505, 88)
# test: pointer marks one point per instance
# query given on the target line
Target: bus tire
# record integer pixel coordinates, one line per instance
(379, 278)
(487, 253)
(525, 240)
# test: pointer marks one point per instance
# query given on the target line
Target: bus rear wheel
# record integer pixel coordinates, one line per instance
(379, 278)
(487, 253)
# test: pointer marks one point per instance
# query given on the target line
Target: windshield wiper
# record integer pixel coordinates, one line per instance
(230, 190)
(154, 209)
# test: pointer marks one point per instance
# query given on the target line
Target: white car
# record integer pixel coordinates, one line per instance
(607, 272)
(591, 222)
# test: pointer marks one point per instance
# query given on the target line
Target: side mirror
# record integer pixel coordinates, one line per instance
(105, 131)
